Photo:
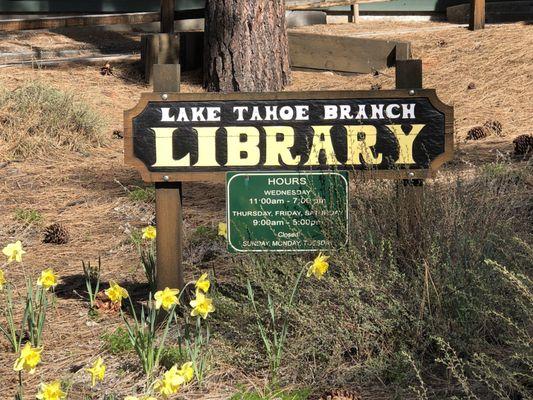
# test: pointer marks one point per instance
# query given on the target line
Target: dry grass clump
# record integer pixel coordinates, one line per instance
(38, 120)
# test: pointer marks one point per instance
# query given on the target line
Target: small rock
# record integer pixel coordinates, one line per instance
(471, 86)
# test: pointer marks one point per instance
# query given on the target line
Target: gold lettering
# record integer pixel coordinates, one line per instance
(250, 146)
(360, 140)
(163, 150)
(206, 147)
(405, 142)
(322, 141)
(277, 152)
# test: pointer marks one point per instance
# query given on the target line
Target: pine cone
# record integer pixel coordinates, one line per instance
(56, 234)
(476, 133)
(523, 145)
(106, 70)
(494, 127)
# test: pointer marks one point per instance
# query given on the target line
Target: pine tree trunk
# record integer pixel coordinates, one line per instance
(246, 46)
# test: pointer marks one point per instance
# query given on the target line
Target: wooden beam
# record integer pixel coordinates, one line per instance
(408, 74)
(310, 4)
(354, 13)
(166, 78)
(168, 10)
(342, 53)
(477, 15)
(9, 25)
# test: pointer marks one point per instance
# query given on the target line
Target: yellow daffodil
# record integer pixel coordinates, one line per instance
(171, 382)
(13, 251)
(187, 371)
(149, 233)
(202, 305)
(28, 359)
(2, 279)
(166, 298)
(163, 387)
(319, 266)
(116, 292)
(97, 371)
(203, 283)
(222, 229)
(48, 279)
(51, 391)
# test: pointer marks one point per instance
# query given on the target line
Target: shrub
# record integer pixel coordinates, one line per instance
(457, 300)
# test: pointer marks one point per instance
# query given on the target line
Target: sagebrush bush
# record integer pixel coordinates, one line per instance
(448, 314)
(37, 119)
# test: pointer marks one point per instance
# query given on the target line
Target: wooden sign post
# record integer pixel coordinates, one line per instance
(168, 196)
(410, 191)
(404, 134)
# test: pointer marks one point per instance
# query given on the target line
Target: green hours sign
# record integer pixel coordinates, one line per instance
(286, 211)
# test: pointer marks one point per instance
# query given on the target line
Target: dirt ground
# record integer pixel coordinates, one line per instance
(86, 192)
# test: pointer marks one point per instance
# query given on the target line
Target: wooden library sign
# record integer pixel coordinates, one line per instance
(402, 134)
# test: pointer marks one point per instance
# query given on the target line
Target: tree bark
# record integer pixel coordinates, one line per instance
(246, 46)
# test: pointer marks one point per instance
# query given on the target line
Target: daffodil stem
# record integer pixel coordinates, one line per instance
(20, 394)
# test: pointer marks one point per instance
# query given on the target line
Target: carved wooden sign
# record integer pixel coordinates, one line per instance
(190, 136)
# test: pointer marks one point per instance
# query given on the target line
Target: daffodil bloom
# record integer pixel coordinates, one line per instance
(116, 292)
(149, 233)
(28, 359)
(166, 298)
(203, 283)
(222, 229)
(51, 391)
(97, 371)
(164, 387)
(187, 371)
(202, 305)
(319, 266)
(13, 251)
(2, 279)
(48, 279)
(171, 382)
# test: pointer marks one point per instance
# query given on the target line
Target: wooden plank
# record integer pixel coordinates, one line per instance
(169, 222)
(149, 55)
(408, 74)
(162, 48)
(311, 4)
(354, 13)
(477, 15)
(341, 53)
(166, 78)
(80, 20)
(168, 10)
